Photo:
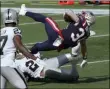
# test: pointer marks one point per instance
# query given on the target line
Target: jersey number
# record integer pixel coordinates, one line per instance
(77, 36)
(32, 66)
(3, 40)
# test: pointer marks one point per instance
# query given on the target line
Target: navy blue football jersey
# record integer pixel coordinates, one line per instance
(75, 32)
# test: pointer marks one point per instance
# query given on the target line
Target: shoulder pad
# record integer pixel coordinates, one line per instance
(17, 31)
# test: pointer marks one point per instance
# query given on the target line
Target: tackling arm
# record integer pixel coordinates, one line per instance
(22, 48)
(73, 16)
(83, 49)
(84, 53)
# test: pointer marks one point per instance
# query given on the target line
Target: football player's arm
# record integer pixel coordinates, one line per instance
(19, 45)
(73, 16)
(83, 49)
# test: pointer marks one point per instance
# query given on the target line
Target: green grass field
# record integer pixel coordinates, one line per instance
(95, 75)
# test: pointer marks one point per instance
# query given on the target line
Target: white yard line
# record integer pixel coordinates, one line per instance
(90, 37)
(37, 22)
(102, 16)
(34, 23)
(99, 36)
(48, 14)
(93, 62)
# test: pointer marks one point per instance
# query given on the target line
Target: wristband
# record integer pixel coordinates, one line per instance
(85, 57)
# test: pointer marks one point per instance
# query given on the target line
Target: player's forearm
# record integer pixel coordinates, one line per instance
(84, 52)
(84, 49)
(22, 48)
(73, 16)
(25, 52)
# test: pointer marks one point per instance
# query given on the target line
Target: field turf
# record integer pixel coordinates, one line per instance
(95, 75)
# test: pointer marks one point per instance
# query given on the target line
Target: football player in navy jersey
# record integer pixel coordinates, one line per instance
(76, 32)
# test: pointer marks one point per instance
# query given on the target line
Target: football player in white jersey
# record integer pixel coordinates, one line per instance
(50, 68)
(10, 41)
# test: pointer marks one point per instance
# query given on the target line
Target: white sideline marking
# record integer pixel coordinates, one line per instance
(37, 22)
(90, 37)
(93, 62)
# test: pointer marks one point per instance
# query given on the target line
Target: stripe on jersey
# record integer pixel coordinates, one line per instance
(53, 24)
(8, 13)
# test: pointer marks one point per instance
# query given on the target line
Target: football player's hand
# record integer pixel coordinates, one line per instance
(83, 63)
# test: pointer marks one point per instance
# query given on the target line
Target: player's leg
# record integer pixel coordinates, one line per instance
(56, 62)
(47, 45)
(52, 29)
(42, 46)
(49, 23)
(51, 26)
(15, 77)
(70, 74)
(2, 82)
(63, 74)
(36, 16)
(61, 60)
(53, 64)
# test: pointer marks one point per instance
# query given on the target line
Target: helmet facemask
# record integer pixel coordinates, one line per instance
(89, 16)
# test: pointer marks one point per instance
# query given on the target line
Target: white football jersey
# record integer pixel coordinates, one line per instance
(7, 47)
(32, 67)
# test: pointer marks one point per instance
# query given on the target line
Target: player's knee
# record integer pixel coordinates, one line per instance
(20, 85)
(73, 58)
(71, 78)
(74, 78)
(62, 60)
(25, 88)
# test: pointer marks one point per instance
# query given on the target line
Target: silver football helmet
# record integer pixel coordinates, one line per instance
(89, 16)
(10, 16)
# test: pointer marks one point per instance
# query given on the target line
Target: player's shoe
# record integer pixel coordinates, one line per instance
(22, 10)
(83, 64)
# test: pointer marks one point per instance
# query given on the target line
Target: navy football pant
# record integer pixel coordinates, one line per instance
(52, 31)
